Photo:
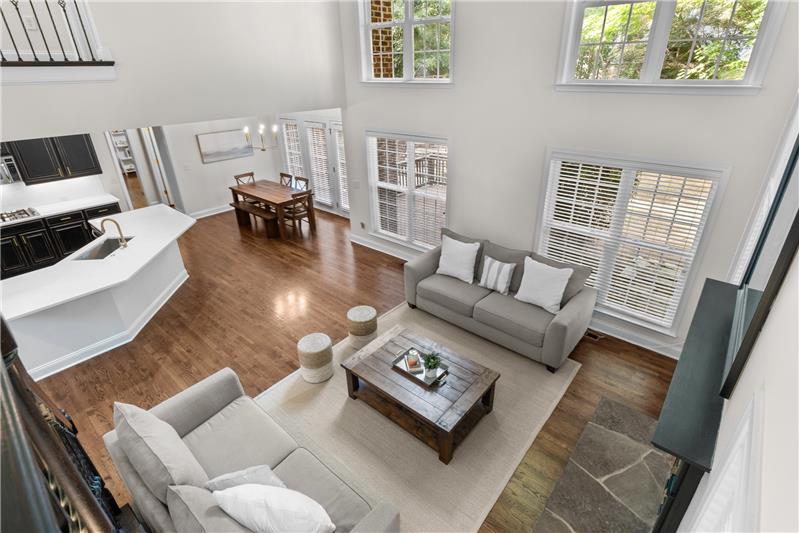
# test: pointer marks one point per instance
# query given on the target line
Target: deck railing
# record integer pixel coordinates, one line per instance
(49, 33)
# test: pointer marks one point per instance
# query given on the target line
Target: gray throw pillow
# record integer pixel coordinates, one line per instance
(259, 475)
(478, 257)
(508, 255)
(156, 451)
(576, 282)
(194, 510)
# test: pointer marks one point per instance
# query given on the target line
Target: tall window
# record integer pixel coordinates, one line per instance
(408, 181)
(291, 143)
(636, 225)
(685, 42)
(407, 40)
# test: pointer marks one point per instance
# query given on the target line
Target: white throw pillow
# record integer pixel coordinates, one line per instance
(543, 285)
(266, 509)
(255, 475)
(458, 259)
(496, 275)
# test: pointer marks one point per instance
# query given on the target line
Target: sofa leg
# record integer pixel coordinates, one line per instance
(412, 306)
(551, 369)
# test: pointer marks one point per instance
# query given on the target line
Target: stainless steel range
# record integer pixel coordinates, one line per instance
(18, 214)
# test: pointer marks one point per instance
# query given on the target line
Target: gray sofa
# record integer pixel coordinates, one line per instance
(524, 328)
(227, 431)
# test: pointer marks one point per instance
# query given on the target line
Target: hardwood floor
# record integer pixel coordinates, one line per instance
(247, 302)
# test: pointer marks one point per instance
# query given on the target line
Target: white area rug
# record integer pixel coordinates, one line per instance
(373, 453)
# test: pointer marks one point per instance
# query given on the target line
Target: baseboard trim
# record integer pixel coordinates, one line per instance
(203, 213)
(383, 247)
(671, 351)
(114, 341)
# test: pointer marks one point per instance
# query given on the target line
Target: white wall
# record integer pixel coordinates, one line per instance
(181, 62)
(204, 187)
(771, 373)
(502, 111)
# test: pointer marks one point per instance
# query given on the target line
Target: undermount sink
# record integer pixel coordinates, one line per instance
(109, 246)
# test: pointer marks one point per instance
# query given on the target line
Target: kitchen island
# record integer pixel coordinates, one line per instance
(99, 297)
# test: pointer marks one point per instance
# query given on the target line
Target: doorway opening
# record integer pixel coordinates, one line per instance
(140, 167)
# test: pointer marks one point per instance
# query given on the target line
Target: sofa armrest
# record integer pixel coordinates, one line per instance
(190, 408)
(418, 269)
(382, 518)
(568, 326)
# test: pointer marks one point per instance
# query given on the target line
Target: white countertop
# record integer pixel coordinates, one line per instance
(65, 207)
(153, 229)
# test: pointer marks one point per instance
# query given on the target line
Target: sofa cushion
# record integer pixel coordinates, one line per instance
(576, 281)
(258, 475)
(303, 472)
(521, 320)
(543, 285)
(451, 293)
(239, 436)
(457, 259)
(194, 510)
(156, 451)
(463, 238)
(508, 255)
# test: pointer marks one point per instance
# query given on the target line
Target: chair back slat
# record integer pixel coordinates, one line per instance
(301, 183)
(286, 179)
(245, 179)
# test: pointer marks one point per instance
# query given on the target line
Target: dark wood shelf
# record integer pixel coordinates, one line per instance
(690, 417)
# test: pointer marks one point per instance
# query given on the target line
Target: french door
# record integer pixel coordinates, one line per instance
(320, 145)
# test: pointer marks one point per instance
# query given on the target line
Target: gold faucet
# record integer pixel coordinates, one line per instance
(122, 242)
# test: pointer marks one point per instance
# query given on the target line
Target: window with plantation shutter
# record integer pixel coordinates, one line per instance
(408, 181)
(293, 150)
(341, 162)
(318, 158)
(636, 225)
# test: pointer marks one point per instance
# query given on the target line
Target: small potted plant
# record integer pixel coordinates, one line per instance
(431, 362)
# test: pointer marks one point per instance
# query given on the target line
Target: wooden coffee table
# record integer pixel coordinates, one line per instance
(440, 416)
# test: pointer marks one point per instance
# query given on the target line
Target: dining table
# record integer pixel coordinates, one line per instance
(273, 194)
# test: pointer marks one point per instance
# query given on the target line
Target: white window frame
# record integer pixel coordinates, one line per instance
(375, 231)
(659, 33)
(717, 172)
(365, 26)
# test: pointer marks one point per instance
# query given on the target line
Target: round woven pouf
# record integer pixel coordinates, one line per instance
(362, 321)
(316, 356)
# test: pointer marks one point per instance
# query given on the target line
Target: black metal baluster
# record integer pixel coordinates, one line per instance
(36, 16)
(13, 42)
(63, 5)
(55, 29)
(85, 35)
(15, 3)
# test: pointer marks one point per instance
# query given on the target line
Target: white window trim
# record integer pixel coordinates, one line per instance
(718, 172)
(365, 26)
(751, 84)
(374, 229)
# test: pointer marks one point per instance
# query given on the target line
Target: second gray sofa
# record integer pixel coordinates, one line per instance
(524, 328)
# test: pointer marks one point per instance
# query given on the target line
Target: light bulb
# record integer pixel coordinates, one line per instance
(274, 128)
(246, 130)
(261, 129)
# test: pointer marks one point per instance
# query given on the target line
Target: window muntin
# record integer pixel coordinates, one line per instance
(408, 177)
(636, 227)
(679, 43)
(408, 40)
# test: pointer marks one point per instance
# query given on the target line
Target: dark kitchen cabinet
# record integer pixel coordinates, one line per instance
(37, 160)
(77, 155)
(12, 257)
(55, 158)
(71, 237)
(39, 247)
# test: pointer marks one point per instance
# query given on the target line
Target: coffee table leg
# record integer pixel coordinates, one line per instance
(445, 442)
(488, 399)
(352, 384)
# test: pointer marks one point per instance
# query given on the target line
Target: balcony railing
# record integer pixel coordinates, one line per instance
(49, 33)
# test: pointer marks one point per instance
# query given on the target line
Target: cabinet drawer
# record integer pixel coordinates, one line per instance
(102, 210)
(16, 229)
(64, 218)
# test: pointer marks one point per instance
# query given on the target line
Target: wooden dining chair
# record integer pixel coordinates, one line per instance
(286, 179)
(299, 209)
(248, 178)
(301, 183)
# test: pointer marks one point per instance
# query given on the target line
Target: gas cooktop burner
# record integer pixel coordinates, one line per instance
(18, 214)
